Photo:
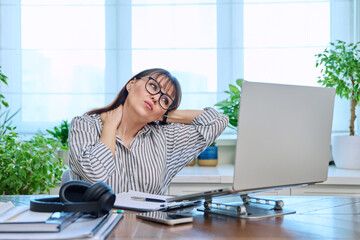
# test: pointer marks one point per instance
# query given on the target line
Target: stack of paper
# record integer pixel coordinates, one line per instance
(97, 228)
(130, 200)
(82, 227)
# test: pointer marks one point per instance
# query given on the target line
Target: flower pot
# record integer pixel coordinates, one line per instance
(209, 157)
(346, 151)
(192, 163)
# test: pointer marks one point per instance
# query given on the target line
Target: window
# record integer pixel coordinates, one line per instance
(281, 39)
(181, 38)
(65, 57)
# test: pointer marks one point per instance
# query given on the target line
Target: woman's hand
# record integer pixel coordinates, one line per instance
(112, 118)
(111, 121)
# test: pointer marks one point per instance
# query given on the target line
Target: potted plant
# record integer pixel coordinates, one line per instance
(340, 68)
(62, 134)
(30, 166)
(209, 157)
(230, 106)
(192, 163)
(26, 166)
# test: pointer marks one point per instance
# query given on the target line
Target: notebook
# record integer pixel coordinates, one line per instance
(21, 219)
(84, 228)
(284, 135)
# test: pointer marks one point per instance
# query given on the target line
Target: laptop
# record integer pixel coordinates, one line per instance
(284, 135)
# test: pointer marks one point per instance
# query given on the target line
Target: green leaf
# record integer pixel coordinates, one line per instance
(230, 105)
(4, 103)
(61, 133)
(340, 69)
(239, 82)
(233, 89)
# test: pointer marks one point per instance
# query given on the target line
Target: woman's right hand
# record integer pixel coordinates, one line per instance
(111, 121)
(112, 118)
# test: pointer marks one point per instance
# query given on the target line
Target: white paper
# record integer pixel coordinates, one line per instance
(124, 201)
(30, 216)
(5, 206)
(12, 213)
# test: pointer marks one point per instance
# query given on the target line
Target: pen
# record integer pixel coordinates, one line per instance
(147, 199)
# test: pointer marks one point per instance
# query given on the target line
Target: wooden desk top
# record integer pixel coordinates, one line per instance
(315, 218)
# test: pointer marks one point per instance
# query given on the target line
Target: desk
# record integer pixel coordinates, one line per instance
(316, 218)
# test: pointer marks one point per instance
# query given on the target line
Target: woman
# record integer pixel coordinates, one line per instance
(141, 141)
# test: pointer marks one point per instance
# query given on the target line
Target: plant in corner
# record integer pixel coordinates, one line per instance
(340, 68)
(230, 106)
(29, 167)
(26, 166)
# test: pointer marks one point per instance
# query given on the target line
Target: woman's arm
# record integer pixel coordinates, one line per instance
(90, 158)
(186, 141)
(183, 116)
(199, 126)
(198, 130)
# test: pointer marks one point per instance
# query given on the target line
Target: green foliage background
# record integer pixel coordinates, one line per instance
(26, 166)
(62, 134)
(230, 106)
(340, 68)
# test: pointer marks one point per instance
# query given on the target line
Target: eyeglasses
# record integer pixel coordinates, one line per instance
(153, 87)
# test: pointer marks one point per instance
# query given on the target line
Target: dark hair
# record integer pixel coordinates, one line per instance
(122, 95)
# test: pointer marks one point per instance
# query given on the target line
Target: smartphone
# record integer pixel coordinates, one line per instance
(165, 218)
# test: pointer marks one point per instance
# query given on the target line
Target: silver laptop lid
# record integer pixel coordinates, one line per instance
(284, 134)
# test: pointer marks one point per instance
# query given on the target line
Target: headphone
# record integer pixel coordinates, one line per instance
(78, 196)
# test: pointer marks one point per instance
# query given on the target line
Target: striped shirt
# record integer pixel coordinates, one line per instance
(155, 156)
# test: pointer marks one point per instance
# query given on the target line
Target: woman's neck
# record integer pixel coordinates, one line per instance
(129, 126)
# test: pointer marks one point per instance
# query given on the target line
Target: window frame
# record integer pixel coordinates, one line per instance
(230, 51)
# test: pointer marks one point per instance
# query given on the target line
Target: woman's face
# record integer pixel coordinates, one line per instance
(144, 96)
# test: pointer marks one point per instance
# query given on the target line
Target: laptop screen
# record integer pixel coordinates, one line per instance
(284, 135)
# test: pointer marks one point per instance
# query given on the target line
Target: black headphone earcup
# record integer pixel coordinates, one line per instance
(73, 191)
(94, 192)
(102, 193)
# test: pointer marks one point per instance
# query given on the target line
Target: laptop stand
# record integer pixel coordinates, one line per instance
(248, 208)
